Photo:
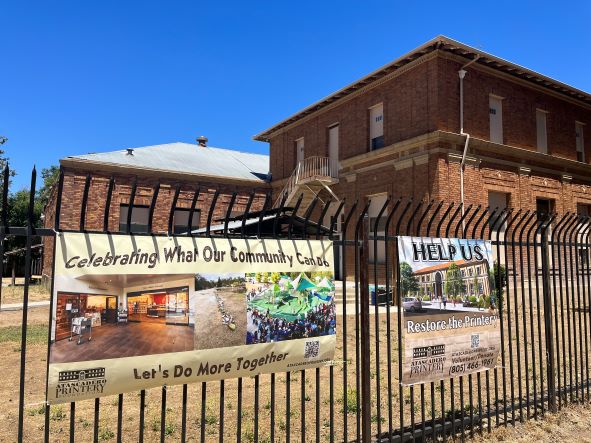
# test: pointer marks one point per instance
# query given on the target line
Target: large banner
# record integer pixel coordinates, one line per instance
(450, 322)
(134, 312)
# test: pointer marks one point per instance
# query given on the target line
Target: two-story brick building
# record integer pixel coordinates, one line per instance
(446, 122)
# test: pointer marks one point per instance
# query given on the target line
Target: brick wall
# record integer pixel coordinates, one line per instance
(425, 98)
(410, 103)
(73, 191)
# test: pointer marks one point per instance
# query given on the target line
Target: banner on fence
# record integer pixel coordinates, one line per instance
(451, 325)
(134, 312)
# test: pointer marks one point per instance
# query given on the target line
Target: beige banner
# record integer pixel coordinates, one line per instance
(84, 254)
(128, 312)
(446, 344)
(90, 379)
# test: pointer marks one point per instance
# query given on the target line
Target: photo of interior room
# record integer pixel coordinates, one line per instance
(101, 309)
(101, 316)
(164, 306)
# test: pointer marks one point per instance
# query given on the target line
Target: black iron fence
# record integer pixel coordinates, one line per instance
(543, 282)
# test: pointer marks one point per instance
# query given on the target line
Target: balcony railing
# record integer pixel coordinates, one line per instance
(310, 169)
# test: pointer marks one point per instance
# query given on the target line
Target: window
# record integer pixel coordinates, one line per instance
(376, 127)
(376, 205)
(498, 201)
(495, 112)
(333, 143)
(139, 219)
(180, 220)
(580, 141)
(299, 145)
(583, 209)
(544, 207)
(542, 135)
(583, 251)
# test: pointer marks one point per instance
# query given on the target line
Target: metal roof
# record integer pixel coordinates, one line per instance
(185, 158)
(445, 44)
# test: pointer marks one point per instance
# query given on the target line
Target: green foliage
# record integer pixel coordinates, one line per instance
(408, 282)
(39, 410)
(202, 283)
(50, 178)
(454, 284)
(350, 402)
(106, 434)
(169, 429)
(498, 280)
(475, 285)
(57, 414)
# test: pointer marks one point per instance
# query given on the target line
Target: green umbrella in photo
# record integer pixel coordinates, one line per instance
(304, 283)
(325, 285)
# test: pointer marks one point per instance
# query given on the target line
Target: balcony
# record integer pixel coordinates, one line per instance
(310, 176)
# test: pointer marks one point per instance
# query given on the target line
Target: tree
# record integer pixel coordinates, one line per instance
(408, 282)
(3, 163)
(50, 178)
(454, 284)
(475, 290)
(497, 278)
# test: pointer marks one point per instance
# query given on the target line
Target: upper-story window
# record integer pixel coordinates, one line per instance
(333, 143)
(542, 133)
(299, 146)
(580, 141)
(495, 112)
(376, 127)
(139, 219)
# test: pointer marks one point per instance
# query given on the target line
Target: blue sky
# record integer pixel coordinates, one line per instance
(79, 77)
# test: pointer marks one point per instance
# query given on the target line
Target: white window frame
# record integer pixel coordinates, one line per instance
(334, 161)
(297, 148)
(542, 132)
(373, 137)
(580, 140)
(492, 136)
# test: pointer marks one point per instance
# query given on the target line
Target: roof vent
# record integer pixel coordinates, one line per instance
(202, 140)
(129, 151)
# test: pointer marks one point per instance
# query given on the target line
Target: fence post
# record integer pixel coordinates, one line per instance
(549, 333)
(365, 338)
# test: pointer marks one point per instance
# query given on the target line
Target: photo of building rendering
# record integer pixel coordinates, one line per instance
(474, 275)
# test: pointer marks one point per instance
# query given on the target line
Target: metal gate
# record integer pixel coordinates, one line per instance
(543, 281)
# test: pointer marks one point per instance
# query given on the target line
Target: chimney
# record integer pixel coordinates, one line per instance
(202, 140)
(129, 151)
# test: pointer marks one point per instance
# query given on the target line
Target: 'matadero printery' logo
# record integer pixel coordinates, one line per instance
(81, 382)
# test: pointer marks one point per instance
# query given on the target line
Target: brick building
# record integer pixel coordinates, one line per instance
(444, 122)
(401, 130)
(407, 128)
(157, 171)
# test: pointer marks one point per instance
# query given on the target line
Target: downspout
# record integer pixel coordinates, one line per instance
(462, 74)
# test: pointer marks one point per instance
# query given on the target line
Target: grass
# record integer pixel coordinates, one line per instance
(35, 334)
(14, 294)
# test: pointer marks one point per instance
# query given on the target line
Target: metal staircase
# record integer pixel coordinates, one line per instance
(309, 178)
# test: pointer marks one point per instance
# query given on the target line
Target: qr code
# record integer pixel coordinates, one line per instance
(312, 349)
(475, 341)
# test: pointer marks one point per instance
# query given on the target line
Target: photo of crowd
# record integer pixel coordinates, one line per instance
(285, 307)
